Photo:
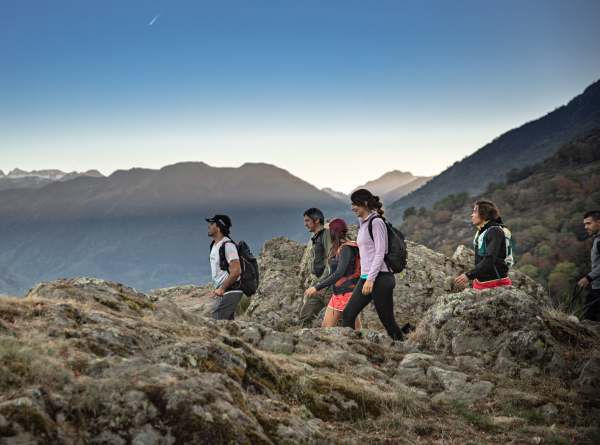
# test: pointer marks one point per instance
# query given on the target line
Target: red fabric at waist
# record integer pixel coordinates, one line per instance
(490, 284)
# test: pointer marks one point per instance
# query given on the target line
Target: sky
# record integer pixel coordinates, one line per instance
(335, 92)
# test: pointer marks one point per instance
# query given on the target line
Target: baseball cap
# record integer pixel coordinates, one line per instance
(221, 220)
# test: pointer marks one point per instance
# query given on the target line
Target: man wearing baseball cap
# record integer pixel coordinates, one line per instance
(225, 272)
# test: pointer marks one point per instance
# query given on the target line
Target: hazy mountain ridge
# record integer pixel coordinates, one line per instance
(389, 187)
(147, 227)
(403, 190)
(528, 144)
(13, 284)
(17, 178)
(388, 182)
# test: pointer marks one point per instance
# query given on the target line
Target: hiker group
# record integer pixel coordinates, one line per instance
(348, 274)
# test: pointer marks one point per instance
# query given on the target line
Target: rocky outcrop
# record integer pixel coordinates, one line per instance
(93, 361)
(510, 331)
(285, 275)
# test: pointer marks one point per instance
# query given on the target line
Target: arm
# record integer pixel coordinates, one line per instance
(346, 255)
(234, 274)
(595, 272)
(380, 240)
(494, 242)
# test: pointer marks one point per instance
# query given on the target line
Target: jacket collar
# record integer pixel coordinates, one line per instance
(372, 215)
(487, 225)
(316, 235)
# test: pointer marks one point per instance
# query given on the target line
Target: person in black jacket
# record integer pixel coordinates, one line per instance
(491, 269)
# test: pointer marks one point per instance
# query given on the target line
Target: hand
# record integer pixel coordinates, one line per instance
(367, 287)
(217, 292)
(310, 291)
(462, 280)
(320, 292)
(583, 282)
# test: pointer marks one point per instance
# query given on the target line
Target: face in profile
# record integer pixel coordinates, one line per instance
(477, 220)
(310, 224)
(213, 229)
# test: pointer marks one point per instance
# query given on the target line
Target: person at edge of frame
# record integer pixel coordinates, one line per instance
(591, 221)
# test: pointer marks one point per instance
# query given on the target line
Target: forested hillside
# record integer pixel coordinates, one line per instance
(517, 148)
(542, 204)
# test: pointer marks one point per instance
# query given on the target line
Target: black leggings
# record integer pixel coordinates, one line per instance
(383, 300)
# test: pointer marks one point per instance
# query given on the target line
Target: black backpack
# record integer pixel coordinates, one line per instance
(397, 255)
(249, 277)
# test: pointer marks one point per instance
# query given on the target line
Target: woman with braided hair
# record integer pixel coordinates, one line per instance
(376, 281)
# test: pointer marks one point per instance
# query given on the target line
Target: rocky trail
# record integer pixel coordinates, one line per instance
(88, 361)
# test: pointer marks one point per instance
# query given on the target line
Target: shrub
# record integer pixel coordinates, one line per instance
(530, 270)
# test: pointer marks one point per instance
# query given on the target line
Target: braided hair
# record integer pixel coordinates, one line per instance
(359, 197)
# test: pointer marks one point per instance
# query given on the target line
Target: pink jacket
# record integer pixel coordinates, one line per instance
(372, 251)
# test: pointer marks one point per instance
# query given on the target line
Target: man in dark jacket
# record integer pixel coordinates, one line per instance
(591, 221)
(491, 262)
(320, 244)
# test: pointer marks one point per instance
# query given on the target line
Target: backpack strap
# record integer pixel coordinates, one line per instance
(346, 244)
(222, 260)
(371, 226)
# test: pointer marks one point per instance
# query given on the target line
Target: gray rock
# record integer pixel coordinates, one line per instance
(457, 388)
(407, 375)
(468, 362)
(556, 366)
(589, 378)
(548, 409)
(278, 342)
(528, 373)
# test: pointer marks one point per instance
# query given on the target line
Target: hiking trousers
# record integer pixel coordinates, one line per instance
(224, 307)
(312, 306)
(592, 312)
(383, 299)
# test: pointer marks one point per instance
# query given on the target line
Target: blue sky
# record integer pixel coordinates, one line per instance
(336, 92)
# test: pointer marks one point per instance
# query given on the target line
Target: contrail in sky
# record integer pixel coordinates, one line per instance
(154, 19)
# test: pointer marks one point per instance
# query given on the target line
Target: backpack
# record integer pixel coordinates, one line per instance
(397, 255)
(479, 243)
(353, 278)
(248, 264)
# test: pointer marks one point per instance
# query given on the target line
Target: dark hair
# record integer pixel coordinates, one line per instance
(359, 197)
(337, 239)
(594, 214)
(487, 210)
(225, 228)
(314, 213)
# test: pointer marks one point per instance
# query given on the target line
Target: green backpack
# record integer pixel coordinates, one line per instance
(479, 245)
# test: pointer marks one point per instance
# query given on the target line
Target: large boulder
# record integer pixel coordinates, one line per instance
(511, 330)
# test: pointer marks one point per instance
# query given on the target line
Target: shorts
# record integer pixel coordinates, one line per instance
(490, 284)
(338, 302)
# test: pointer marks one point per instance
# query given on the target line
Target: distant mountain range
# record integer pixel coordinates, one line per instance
(17, 179)
(147, 227)
(517, 148)
(12, 284)
(389, 187)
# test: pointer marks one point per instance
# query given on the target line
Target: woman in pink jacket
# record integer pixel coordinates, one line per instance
(376, 281)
